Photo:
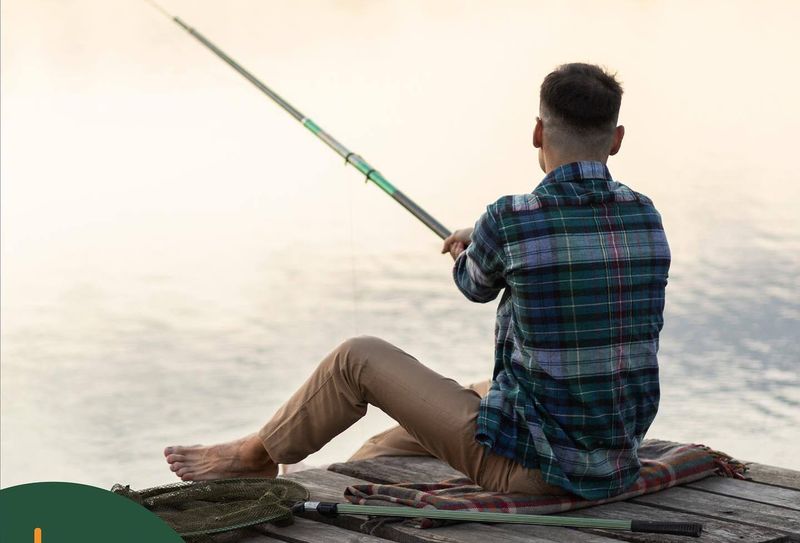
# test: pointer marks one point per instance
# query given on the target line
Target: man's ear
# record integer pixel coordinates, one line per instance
(619, 133)
(537, 133)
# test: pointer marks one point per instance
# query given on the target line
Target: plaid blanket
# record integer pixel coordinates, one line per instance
(664, 464)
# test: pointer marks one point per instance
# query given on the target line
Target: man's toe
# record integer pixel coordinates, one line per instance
(172, 458)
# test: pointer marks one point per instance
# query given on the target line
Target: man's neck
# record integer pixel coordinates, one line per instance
(553, 162)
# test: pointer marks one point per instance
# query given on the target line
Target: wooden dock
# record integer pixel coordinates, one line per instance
(764, 508)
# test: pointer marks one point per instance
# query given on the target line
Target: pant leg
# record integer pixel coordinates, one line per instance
(396, 441)
(437, 412)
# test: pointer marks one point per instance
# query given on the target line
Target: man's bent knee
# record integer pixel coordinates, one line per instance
(362, 348)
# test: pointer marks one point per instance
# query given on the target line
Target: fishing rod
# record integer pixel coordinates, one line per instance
(330, 509)
(349, 157)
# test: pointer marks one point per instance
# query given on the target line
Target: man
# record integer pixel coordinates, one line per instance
(583, 264)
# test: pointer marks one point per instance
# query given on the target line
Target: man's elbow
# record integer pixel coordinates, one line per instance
(472, 282)
(483, 298)
(478, 294)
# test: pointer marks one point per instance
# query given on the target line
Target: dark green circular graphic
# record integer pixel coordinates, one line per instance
(71, 513)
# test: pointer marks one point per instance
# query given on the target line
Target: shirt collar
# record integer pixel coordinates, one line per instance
(578, 171)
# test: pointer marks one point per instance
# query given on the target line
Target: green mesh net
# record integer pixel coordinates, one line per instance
(200, 508)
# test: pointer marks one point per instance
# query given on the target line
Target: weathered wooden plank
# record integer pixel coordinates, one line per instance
(307, 531)
(242, 536)
(773, 475)
(724, 508)
(397, 469)
(324, 485)
(258, 538)
(773, 495)
(481, 533)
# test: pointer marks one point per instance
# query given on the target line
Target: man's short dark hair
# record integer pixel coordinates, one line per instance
(583, 96)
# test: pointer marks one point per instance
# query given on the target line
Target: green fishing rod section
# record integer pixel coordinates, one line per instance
(349, 157)
(330, 509)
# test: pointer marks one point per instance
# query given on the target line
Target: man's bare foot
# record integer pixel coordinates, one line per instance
(244, 457)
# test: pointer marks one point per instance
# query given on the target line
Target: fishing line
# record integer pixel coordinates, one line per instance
(356, 324)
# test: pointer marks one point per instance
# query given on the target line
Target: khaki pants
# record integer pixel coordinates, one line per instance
(437, 416)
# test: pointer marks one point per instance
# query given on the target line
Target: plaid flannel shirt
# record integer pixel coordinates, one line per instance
(583, 261)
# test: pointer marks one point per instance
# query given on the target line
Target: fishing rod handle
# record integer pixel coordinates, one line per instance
(691, 529)
(327, 509)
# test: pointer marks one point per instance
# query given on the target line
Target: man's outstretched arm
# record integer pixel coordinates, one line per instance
(478, 252)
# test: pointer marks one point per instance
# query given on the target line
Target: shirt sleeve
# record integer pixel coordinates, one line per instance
(479, 271)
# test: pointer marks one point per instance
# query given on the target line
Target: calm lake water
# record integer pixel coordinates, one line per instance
(178, 253)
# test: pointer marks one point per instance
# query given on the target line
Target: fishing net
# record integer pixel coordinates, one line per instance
(197, 509)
